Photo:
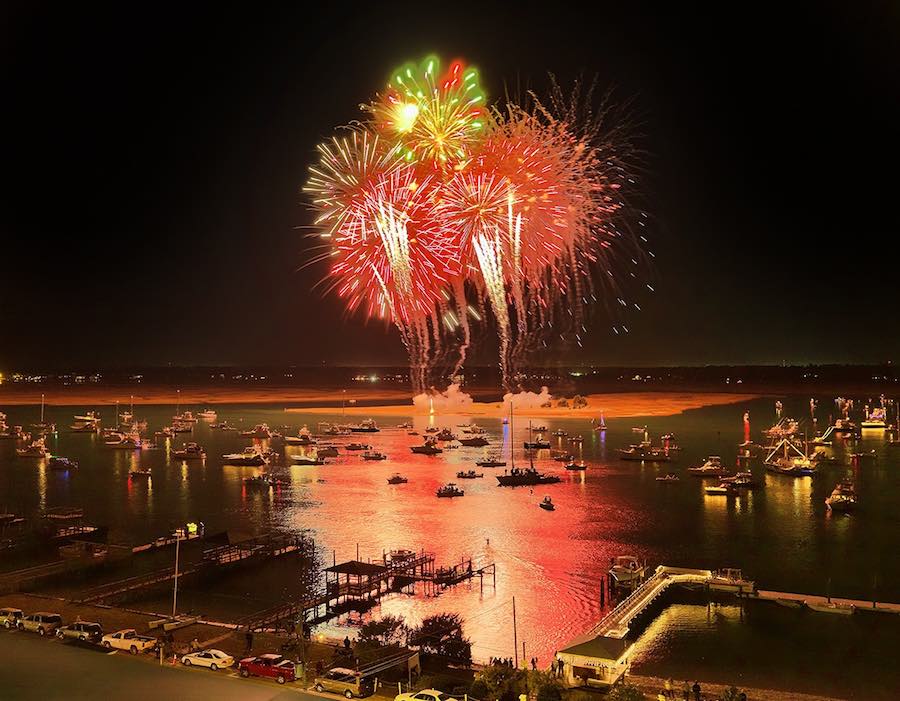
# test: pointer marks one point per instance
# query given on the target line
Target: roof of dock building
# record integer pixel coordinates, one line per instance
(357, 568)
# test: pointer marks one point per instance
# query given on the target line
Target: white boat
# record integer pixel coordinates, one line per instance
(831, 607)
(208, 414)
(251, 455)
(374, 455)
(626, 570)
(185, 417)
(303, 437)
(261, 431)
(308, 459)
(367, 426)
(189, 451)
(722, 489)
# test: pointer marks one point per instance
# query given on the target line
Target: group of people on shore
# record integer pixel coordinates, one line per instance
(689, 692)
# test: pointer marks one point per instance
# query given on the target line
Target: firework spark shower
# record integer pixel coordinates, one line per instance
(441, 212)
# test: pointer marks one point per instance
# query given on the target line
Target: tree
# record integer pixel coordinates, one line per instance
(626, 692)
(443, 635)
(500, 682)
(547, 685)
(579, 402)
(388, 630)
(732, 694)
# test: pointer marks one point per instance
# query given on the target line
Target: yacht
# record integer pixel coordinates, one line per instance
(644, 453)
(787, 459)
(181, 427)
(670, 477)
(251, 455)
(525, 478)
(303, 437)
(741, 480)
(559, 433)
(626, 570)
(327, 451)
(469, 475)
(357, 446)
(185, 417)
(722, 489)
(140, 474)
(208, 415)
(445, 434)
(448, 491)
(189, 451)
(712, 467)
(427, 448)
(367, 426)
(843, 497)
(261, 431)
(373, 455)
(578, 466)
(475, 441)
(875, 420)
(547, 504)
(86, 423)
(491, 461)
(223, 426)
(397, 478)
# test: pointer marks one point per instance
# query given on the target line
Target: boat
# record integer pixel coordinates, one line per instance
(830, 607)
(626, 570)
(741, 480)
(14, 433)
(445, 434)
(140, 474)
(525, 478)
(644, 453)
(427, 448)
(327, 451)
(540, 429)
(559, 433)
(261, 431)
(374, 455)
(208, 414)
(563, 457)
(57, 462)
(405, 424)
(843, 497)
(469, 475)
(580, 465)
(783, 428)
(223, 426)
(189, 451)
(576, 439)
(308, 460)
(876, 420)
(367, 426)
(491, 461)
(397, 478)
(43, 426)
(124, 441)
(472, 429)
(448, 491)
(357, 446)
(251, 455)
(547, 504)
(844, 425)
(722, 489)
(328, 429)
(474, 442)
(303, 437)
(185, 417)
(787, 459)
(86, 423)
(638, 429)
(35, 449)
(790, 603)
(181, 427)
(264, 480)
(539, 443)
(670, 477)
(712, 467)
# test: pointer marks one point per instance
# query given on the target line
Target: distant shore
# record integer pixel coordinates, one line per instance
(612, 406)
(362, 401)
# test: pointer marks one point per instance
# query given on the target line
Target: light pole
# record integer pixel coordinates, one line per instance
(175, 590)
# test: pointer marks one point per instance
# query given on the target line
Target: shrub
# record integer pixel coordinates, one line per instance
(626, 692)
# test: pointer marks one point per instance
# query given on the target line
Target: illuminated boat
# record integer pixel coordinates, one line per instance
(491, 461)
(559, 433)
(185, 417)
(469, 475)
(140, 474)
(843, 497)
(11, 434)
(525, 478)
(875, 420)
(367, 426)
(190, 451)
(265, 480)
(251, 455)
(445, 434)
(741, 480)
(303, 437)
(644, 453)
(712, 467)
(208, 414)
(223, 426)
(427, 448)
(357, 446)
(539, 443)
(787, 459)
(626, 570)
(475, 441)
(576, 466)
(671, 477)
(722, 489)
(261, 431)
(57, 462)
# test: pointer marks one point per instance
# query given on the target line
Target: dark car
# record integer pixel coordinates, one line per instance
(83, 630)
(275, 667)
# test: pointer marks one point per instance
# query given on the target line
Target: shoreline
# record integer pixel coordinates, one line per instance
(651, 686)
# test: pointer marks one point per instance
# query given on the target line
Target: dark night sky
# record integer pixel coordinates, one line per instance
(154, 161)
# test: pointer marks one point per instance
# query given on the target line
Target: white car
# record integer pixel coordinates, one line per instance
(425, 695)
(214, 659)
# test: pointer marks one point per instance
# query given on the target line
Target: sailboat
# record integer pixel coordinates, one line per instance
(527, 477)
(43, 427)
(787, 459)
(531, 443)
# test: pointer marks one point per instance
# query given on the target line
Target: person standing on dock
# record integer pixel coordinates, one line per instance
(696, 690)
(686, 690)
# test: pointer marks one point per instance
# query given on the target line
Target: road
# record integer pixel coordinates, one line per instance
(42, 670)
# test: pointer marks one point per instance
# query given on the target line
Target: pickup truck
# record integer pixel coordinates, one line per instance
(274, 666)
(128, 639)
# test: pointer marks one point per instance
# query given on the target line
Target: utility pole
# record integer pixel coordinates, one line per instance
(175, 591)
(515, 634)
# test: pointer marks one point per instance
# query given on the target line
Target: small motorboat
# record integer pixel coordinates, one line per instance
(448, 491)
(712, 467)
(397, 478)
(559, 433)
(261, 431)
(57, 462)
(671, 477)
(474, 441)
(547, 504)
(843, 497)
(357, 446)
(307, 459)
(327, 451)
(367, 426)
(251, 455)
(189, 451)
(222, 426)
(445, 434)
(723, 489)
(469, 475)
(405, 424)
(491, 461)
(264, 480)
(580, 465)
(576, 439)
(140, 474)
(374, 455)
(564, 457)
(428, 448)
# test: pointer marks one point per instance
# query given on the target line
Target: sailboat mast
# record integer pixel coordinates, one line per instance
(512, 438)
(42, 409)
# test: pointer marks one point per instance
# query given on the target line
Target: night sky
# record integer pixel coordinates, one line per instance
(152, 211)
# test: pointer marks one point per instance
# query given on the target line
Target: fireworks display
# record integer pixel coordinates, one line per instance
(437, 208)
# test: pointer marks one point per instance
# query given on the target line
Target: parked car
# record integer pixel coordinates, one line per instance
(214, 659)
(10, 617)
(273, 666)
(128, 639)
(41, 623)
(341, 680)
(82, 630)
(425, 695)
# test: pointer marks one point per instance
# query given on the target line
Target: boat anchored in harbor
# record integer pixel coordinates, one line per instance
(448, 491)
(843, 497)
